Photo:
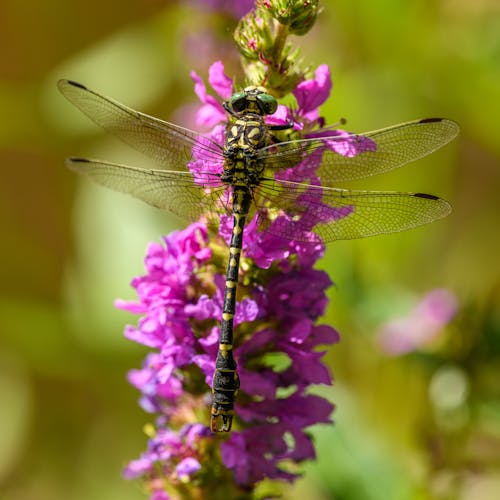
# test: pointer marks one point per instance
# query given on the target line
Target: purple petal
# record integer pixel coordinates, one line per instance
(207, 365)
(237, 9)
(310, 94)
(212, 111)
(324, 335)
(193, 432)
(233, 451)
(306, 368)
(199, 86)
(258, 384)
(221, 83)
(246, 310)
(160, 495)
(130, 306)
(282, 116)
(349, 145)
(187, 467)
(205, 308)
(303, 446)
(211, 340)
(210, 114)
(438, 306)
(140, 337)
(137, 468)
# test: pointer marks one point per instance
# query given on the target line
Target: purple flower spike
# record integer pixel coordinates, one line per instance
(277, 338)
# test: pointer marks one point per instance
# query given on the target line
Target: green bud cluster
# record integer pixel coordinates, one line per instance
(298, 15)
(269, 60)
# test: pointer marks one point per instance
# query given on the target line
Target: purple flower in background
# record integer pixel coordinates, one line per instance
(421, 325)
(234, 8)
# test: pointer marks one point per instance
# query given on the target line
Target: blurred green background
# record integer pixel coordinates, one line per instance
(425, 425)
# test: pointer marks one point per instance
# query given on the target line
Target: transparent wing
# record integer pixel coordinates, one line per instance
(349, 157)
(169, 190)
(339, 214)
(168, 144)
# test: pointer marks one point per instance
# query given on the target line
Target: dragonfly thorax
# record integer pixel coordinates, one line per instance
(246, 132)
(244, 136)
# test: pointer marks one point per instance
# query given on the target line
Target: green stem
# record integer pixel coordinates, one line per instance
(279, 43)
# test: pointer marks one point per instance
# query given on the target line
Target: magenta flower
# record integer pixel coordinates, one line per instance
(311, 94)
(212, 112)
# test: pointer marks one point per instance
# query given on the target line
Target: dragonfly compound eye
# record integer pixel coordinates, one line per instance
(238, 102)
(268, 103)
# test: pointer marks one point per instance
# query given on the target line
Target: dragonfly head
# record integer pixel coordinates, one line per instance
(253, 100)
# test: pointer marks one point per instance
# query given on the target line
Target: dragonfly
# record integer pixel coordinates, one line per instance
(252, 174)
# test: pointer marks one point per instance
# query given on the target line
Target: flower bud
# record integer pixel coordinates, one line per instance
(252, 36)
(298, 15)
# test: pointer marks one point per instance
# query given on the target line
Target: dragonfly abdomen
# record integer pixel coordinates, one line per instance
(226, 381)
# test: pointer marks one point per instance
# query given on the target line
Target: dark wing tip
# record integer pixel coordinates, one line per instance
(76, 163)
(431, 120)
(76, 84)
(63, 81)
(449, 127)
(427, 196)
(444, 207)
(77, 159)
